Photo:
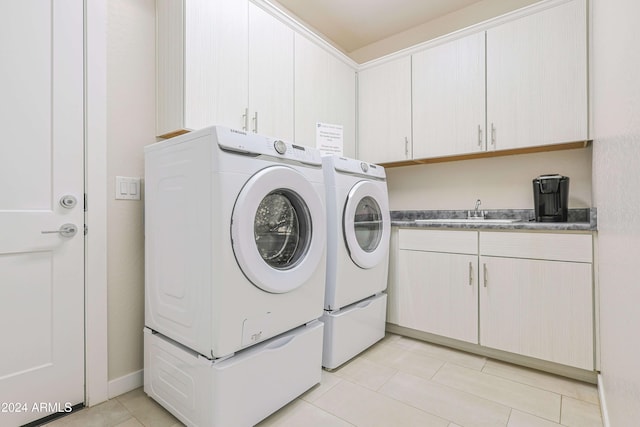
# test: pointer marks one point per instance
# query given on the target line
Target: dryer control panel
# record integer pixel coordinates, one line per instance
(252, 143)
(358, 167)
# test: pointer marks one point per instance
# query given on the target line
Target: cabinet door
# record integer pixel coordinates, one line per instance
(537, 78)
(438, 294)
(541, 309)
(325, 92)
(270, 109)
(202, 63)
(384, 112)
(449, 98)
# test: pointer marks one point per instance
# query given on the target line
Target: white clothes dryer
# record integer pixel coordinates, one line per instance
(235, 258)
(358, 232)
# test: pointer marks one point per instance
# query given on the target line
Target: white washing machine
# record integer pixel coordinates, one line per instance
(235, 274)
(358, 232)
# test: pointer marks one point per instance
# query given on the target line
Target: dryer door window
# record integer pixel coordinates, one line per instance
(278, 229)
(367, 224)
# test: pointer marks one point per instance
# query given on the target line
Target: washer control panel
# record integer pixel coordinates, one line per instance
(252, 143)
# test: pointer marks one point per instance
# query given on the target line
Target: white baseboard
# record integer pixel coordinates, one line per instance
(603, 403)
(126, 383)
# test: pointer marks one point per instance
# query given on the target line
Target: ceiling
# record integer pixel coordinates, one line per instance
(352, 24)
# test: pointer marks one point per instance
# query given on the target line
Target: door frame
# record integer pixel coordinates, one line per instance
(95, 262)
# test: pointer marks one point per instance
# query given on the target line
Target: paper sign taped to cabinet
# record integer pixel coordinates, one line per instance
(329, 138)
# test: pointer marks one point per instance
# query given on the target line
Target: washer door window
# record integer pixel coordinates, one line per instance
(366, 224)
(282, 229)
(278, 229)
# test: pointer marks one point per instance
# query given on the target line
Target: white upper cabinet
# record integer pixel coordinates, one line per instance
(384, 112)
(202, 64)
(244, 65)
(270, 110)
(537, 79)
(449, 99)
(325, 92)
(519, 83)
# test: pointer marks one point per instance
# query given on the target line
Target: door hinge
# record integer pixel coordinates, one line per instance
(86, 229)
(85, 203)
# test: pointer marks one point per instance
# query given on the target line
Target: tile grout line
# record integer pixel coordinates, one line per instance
(445, 386)
(319, 385)
(509, 418)
(539, 387)
(502, 403)
(437, 370)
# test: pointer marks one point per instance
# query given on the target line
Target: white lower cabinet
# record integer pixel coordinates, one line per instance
(439, 292)
(536, 296)
(529, 294)
(538, 308)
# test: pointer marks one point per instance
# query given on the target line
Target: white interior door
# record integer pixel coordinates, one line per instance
(41, 160)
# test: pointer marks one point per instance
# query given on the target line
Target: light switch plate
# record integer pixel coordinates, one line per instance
(128, 188)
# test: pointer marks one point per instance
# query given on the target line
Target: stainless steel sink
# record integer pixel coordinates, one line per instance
(468, 220)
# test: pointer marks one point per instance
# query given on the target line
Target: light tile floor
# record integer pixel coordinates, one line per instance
(400, 382)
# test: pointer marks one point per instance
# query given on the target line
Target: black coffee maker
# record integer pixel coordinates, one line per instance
(551, 198)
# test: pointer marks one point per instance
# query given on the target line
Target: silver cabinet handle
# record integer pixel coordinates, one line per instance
(493, 135)
(66, 230)
(470, 273)
(406, 147)
(245, 120)
(485, 275)
(479, 136)
(255, 122)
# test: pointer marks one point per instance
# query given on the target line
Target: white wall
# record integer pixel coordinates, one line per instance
(130, 126)
(616, 164)
(500, 182)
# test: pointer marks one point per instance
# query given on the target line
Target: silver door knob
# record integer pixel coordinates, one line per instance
(66, 230)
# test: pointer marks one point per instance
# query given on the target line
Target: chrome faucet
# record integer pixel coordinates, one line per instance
(476, 214)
